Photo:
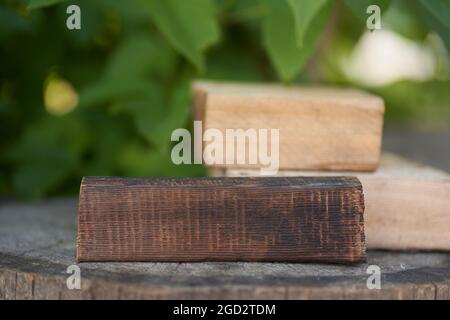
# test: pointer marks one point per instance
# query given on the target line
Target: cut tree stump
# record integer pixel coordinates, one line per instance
(320, 128)
(37, 244)
(407, 204)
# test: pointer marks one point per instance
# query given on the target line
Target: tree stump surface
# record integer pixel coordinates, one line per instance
(37, 245)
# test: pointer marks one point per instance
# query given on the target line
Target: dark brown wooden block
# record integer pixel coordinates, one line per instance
(221, 219)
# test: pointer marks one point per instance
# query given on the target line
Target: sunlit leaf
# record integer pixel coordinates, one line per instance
(280, 40)
(190, 26)
(305, 12)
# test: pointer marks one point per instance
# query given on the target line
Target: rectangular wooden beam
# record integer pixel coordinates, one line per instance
(320, 128)
(221, 219)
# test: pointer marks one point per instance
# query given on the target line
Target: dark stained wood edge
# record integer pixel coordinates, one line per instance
(296, 219)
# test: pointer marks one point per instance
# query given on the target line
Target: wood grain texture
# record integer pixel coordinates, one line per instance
(216, 219)
(407, 204)
(38, 243)
(320, 128)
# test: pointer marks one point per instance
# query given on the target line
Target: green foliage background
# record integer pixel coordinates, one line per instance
(133, 61)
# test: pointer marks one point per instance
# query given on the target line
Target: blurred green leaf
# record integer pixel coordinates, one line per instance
(280, 38)
(401, 18)
(34, 4)
(130, 71)
(155, 116)
(440, 9)
(233, 64)
(147, 112)
(109, 136)
(305, 12)
(139, 56)
(190, 26)
(107, 91)
(11, 22)
(33, 179)
(179, 102)
(132, 85)
(47, 154)
(68, 132)
(419, 102)
(132, 11)
(426, 10)
(128, 66)
(138, 160)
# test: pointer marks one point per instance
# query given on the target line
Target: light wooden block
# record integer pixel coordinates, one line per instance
(407, 204)
(320, 128)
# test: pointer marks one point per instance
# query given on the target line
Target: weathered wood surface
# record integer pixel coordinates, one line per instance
(407, 204)
(321, 128)
(285, 219)
(37, 244)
